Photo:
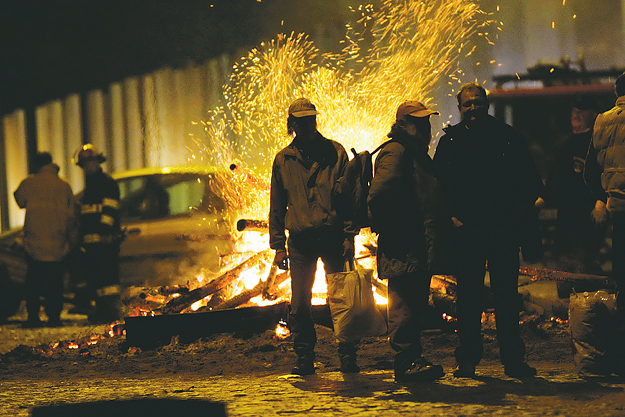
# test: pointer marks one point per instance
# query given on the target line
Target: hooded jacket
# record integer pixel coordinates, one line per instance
(50, 226)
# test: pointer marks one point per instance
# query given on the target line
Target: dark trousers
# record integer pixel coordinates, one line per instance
(44, 279)
(303, 255)
(618, 258)
(473, 249)
(408, 297)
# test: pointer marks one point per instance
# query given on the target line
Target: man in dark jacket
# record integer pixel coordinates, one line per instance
(302, 201)
(50, 232)
(577, 240)
(101, 236)
(406, 207)
(492, 185)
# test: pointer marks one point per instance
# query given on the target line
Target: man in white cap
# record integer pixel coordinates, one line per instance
(302, 192)
(407, 211)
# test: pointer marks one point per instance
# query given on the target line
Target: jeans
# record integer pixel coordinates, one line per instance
(473, 248)
(303, 255)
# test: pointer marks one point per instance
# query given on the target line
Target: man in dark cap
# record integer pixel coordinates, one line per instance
(578, 239)
(101, 235)
(406, 207)
(492, 186)
(302, 201)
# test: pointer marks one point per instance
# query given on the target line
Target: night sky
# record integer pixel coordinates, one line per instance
(52, 48)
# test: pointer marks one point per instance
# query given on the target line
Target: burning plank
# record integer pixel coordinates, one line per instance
(178, 304)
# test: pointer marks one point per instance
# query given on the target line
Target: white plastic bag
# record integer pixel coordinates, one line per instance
(354, 312)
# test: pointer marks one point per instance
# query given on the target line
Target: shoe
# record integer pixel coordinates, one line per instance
(54, 323)
(348, 365)
(420, 370)
(304, 367)
(465, 370)
(519, 370)
(32, 324)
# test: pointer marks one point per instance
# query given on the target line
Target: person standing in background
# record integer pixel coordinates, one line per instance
(50, 232)
(604, 173)
(101, 235)
(577, 239)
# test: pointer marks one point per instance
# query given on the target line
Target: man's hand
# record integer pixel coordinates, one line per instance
(281, 260)
(600, 213)
(457, 223)
(539, 203)
(348, 249)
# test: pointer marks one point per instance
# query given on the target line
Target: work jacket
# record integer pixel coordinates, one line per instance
(407, 210)
(303, 190)
(608, 141)
(99, 211)
(50, 227)
(491, 181)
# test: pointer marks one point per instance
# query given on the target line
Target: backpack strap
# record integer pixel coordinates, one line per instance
(381, 146)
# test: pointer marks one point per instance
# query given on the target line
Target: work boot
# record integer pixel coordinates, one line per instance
(304, 366)
(420, 370)
(348, 365)
(347, 355)
(519, 370)
(465, 370)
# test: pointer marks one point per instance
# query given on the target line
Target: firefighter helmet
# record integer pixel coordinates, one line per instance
(86, 153)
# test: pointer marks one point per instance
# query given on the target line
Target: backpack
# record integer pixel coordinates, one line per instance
(352, 189)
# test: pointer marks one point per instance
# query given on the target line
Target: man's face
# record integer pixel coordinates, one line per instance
(582, 120)
(473, 105)
(420, 129)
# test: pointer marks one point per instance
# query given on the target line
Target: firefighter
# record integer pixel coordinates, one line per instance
(100, 236)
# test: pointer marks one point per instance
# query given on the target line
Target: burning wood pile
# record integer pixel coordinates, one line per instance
(250, 279)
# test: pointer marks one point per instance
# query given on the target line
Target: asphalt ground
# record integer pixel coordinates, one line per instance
(556, 391)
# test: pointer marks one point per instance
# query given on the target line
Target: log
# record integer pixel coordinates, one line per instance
(178, 304)
(247, 295)
(551, 275)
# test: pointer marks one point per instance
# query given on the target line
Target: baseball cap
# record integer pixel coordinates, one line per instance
(302, 107)
(413, 108)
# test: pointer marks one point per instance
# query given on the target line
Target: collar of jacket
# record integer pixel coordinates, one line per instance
(620, 101)
(49, 169)
(321, 143)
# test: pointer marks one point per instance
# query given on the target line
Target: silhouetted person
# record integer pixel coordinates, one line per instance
(50, 232)
(577, 239)
(101, 236)
(302, 183)
(407, 210)
(492, 185)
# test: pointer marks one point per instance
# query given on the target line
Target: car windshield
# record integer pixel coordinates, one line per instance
(165, 195)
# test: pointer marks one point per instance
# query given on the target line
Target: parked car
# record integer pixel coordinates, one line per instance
(177, 221)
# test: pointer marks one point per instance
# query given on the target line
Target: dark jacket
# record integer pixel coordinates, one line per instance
(491, 181)
(302, 190)
(407, 210)
(99, 211)
(50, 227)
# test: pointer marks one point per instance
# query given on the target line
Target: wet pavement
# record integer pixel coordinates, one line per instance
(556, 391)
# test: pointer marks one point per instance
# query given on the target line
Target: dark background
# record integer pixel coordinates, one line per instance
(52, 48)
